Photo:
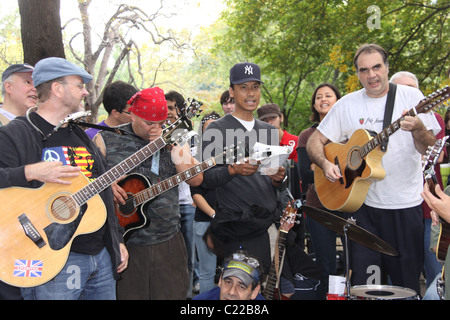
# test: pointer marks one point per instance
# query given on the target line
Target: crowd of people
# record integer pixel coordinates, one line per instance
(216, 235)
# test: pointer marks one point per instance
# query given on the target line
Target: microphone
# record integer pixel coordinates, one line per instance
(72, 117)
(76, 115)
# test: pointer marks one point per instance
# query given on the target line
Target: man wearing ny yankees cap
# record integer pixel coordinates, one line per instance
(246, 198)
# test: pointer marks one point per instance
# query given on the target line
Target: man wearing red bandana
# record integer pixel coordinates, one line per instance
(157, 267)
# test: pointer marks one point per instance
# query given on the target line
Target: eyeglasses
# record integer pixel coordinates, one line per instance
(242, 257)
(79, 85)
(127, 112)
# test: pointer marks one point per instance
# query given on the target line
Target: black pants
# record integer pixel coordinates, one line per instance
(403, 230)
(8, 292)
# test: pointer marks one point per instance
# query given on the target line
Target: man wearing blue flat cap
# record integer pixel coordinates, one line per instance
(42, 148)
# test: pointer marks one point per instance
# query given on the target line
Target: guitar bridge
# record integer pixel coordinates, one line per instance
(30, 231)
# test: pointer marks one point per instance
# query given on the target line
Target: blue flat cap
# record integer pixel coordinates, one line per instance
(52, 68)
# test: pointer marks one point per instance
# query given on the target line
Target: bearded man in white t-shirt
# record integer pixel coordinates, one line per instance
(392, 209)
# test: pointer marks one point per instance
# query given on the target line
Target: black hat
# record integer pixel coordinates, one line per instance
(245, 71)
(22, 67)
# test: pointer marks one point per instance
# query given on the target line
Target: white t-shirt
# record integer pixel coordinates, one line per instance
(402, 162)
(247, 124)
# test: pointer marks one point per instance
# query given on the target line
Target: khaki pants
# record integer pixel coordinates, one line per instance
(155, 272)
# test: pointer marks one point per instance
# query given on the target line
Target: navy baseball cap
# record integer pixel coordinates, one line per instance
(15, 68)
(243, 268)
(52, 68)
(244, 72)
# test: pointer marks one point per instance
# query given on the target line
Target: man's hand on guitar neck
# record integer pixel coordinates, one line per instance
(422, 137)
(52, 172)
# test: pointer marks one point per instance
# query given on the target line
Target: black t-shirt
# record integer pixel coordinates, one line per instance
(69, 148)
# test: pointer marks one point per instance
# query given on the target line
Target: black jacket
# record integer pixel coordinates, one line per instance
(21, 144)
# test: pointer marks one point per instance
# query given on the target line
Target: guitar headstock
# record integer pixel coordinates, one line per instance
(177, 130)
(231, 154)
(288, 219)
(435, 99)
(432, 154)
(430, 160)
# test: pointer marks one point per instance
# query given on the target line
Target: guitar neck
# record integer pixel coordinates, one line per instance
(157, 189)
(424, 106)
(272, 279)
(115, 173)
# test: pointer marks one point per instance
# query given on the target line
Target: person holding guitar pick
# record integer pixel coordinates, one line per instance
(42, 147)
(158, 267)
(392, 206)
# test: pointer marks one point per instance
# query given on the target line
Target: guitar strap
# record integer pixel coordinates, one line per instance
(388, 112)
(117, 130)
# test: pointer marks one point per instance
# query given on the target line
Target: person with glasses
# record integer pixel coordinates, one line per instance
(37, 149)
(158, 267)
(240, 279)
(115, 98)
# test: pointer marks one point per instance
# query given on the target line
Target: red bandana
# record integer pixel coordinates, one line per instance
(149, 104)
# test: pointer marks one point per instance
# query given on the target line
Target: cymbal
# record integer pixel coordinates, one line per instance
(354, 232)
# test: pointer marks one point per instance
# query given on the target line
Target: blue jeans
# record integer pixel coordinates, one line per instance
(432, 266)
(187, 212)
(84, 277)
(207, 260)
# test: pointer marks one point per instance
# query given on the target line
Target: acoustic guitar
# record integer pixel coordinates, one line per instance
(359, 160)
(132, 216)
(287, 221)
(38, 226)
(429, 175)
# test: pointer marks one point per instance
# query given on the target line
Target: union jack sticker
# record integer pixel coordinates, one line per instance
(28, 268)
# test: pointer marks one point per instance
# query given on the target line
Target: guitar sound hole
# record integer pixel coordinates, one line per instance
(64, 208)
(354, 160)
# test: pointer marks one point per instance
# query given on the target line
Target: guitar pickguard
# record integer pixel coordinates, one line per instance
(351, 175)
(59, 235)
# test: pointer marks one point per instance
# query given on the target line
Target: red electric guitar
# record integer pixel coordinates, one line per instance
(132, 216)
(38, 226)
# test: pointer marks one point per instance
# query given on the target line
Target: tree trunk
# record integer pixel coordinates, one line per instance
(41, 29)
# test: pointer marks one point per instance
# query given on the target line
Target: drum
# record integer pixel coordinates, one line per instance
(381, 292)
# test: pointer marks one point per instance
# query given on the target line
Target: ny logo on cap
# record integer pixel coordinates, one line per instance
(248, 70)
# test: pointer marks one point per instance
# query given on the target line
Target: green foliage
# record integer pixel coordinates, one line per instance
(300, 44)
(10, 41)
